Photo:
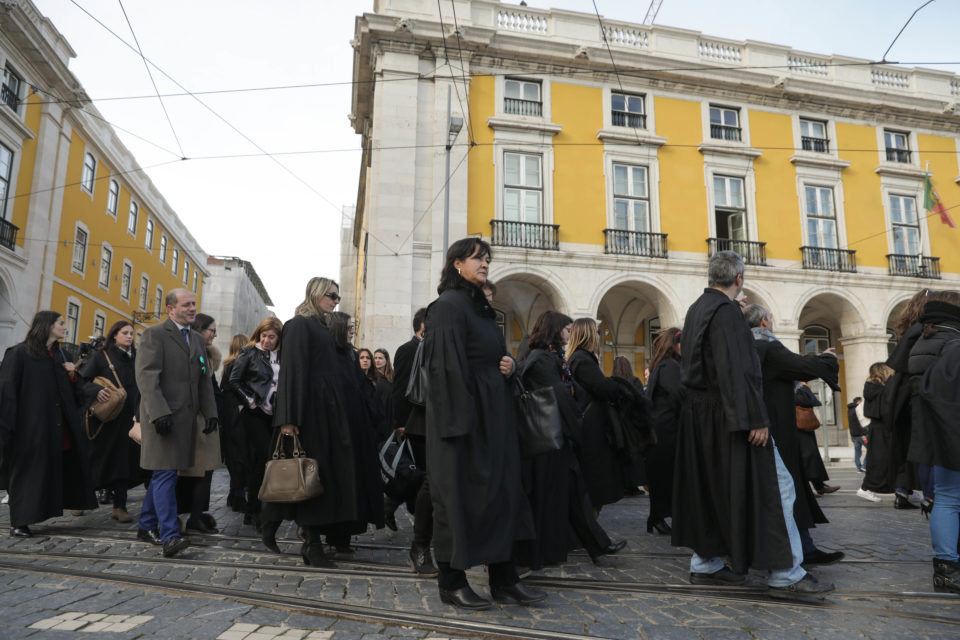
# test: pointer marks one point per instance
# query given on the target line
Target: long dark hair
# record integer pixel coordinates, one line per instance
(665, 347)
(338, 323)
(450, 278)
(387, 370)
(114, 330)
(39, 333)
(201, 322)
(371, 371)
(622, 368)
(547, 329)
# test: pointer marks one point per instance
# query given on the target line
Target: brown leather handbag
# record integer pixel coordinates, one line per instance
(292, 479)
(111, 407)
(806, 419)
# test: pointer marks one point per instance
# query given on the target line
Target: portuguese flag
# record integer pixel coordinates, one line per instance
(932, 203)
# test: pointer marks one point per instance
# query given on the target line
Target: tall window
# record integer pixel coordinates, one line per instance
(89, 172)
(821, 217)
(73, 322)
(724, 123)
(10, 91)
(186, 271)
(125, 277)
(6, 174)
(176, 260)
(112, 198)
(148, 236)
(627, 111)
(132, 218)
(813, 135)
(522, 187)
(731, 212)
(144, 292)
(522, 97)
(80, 250)
(906, 227)
(897, 145)
(196, 280)
(631, 204)
(99, 325)
(106, 257)
(158, 301)
(163, 249)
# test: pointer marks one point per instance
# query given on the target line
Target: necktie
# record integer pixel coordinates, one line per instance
(186, 334)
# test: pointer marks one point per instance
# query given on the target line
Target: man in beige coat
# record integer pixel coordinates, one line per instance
(173, 377)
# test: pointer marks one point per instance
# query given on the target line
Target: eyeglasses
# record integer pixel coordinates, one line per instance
(333, 296)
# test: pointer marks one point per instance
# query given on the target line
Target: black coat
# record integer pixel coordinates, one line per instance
(479, 508)
(407, 415)
(252, 373)
(39, 414)
(781, 368)
(310, 396)
(933, 440)
(604, 470)
(114, 457)
(726, 499)
(233, 444)
(665, 391)
(881, 472)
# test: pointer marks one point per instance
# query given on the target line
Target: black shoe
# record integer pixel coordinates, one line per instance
(149, 535)
(268, 535)
(660, 525)
(173, 546)
(808, 588)
(946, 576)
(518, 593)
(722, 578)
(390, 519)
(900, 501)
(21, 532)
(247, 518)
(199, 526)
(105, 496)
(315, 557)
(209, 520)
(422, 561)
(822, 557)
(926, 507)
(464, 598)
(609, 550)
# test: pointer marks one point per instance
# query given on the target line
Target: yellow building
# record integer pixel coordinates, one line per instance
(83, 231)
(605, 187)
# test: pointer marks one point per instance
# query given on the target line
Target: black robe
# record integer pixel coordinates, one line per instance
(39, 417)
(604, 470)
(233, 444)
(479, 508)
(726, 499)
(665, 391)
(781, 368)
(309, 396)
(114, 457)
(881, 473)
(938, 395)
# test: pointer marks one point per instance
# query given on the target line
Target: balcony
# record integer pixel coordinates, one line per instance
(519, 107)
(724, 132)
(898, 155)
(823, 259)
(754, 253)
(626, 119)
(635, 243)
(820, 145)
(914, 266)
(8, 235)
(525, 235)
(8, 96)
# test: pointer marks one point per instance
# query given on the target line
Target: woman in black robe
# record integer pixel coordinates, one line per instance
(43, 461)
(603, 469)
(665, 392)
(479, 508)
(881, 473)
(310, 403)
(114, 456)
(233, 443)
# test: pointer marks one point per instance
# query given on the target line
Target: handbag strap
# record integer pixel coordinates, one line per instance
(113, 369)
(278, 453)
(86, 424)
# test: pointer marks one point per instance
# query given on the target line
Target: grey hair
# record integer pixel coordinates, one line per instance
(754, 314)
(724, 268)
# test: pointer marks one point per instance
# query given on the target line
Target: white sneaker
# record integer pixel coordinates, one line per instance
(6, 498)
(866, 494)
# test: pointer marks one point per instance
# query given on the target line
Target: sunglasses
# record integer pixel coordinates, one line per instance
(333, 296)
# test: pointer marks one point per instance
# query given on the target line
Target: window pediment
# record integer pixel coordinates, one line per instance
(631, 136)
(812, 159)
(899, 170)
(521, 123)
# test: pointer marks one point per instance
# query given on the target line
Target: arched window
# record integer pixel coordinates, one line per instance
(89, 172)
(815, 340)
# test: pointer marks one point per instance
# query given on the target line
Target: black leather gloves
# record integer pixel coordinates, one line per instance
(212, 425)
(163, 425)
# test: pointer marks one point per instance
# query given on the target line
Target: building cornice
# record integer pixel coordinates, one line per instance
(523, 124)
(741, 151)
(899, 170)
(819, 160)
(631, 136)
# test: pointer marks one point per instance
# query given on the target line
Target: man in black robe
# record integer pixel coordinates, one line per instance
(733, 496)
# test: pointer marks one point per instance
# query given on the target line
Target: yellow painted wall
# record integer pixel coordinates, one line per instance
(481, 181)
(28, 154)
(579, 202)
(940, 152)
(778, 209)
(863, 201)
(683, 198)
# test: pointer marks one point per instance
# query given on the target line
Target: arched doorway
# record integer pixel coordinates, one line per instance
(520, 300)
(631, 315)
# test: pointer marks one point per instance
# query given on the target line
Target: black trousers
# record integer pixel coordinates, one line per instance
(502, 574)
(258, 432)
(423, 506)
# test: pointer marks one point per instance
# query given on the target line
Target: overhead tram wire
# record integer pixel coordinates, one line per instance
(603, 32)
(902, 29)
(152, 81)
(463, 72)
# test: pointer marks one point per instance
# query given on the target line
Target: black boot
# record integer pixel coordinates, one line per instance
(946, 576)
(900, 501)
(268, 535)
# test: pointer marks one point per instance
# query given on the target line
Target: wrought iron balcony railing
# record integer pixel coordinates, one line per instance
(898, 155)
(8, 235)
(752, 252)
(526, 235)
(635, 243)
(820, 145)
(724, 132)
(914, 266)
(627, 119)
(824, 259)
(520, 107)
(9, 97)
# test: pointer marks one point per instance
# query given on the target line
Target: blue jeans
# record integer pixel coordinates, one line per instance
(159, 510)
(925, 472)
(775, 577)
(944, 524)
(857, 452)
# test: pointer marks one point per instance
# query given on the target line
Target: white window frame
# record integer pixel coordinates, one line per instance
(71, 336)
(744, 209)
(630, 197)
(175, 261)
(545, 96)
(801, 120)
(88, 176)
(102, 317)
(105, 249)
(158, 300)
(144, 287)
(894, 225)
(163, 248)
(807, 215)
(737, 166)
(133, 218)
(113, 198)
(148, 235)
(523, 189)
(186, 270)
(821, 176)
(86, 247)
(8, 71)
(908, 148)
(522, 84)
(643, 111)
(126, 279)
(196, 279)
(645, 156)
(737, 111)
(905, 187)
(7, 180)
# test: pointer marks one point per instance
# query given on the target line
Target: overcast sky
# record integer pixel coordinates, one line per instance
(287, 223)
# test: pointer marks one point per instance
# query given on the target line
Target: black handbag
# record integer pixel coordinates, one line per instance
(539, 424)
(416, 388)
(398, 468)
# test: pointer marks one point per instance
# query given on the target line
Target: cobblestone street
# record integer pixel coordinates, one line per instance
(83, 577)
